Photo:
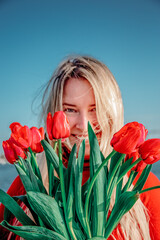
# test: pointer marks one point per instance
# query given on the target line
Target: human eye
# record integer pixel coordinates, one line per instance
(69, 110)
(92, 109)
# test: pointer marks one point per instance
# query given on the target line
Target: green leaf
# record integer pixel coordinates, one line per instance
(85, 190)
(115, 172)
(34, 164)
(24, 199)
(110, 187)
(48, 210)
(128, 168)
(78, 232)
(56, 193)
(131, 178)
(97, 238)
(51, 155)
(105, 166)
(22, 164)
(30, 181)
(7, 214)
(99, 188)
(70, 206)
(35, 180)
(142, 179)
(124, 204)
(33, 232)
(126, 164)
(114, 178)
(113, 162)
(78, 185)
(25, 179)
(72, 159)
(118, 187)
(32, 176)
(50, 176)
(14, 208)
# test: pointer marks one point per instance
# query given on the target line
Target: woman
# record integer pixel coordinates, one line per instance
(86, 90)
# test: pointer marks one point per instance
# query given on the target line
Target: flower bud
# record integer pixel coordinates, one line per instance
(37, 136)
(20, 135)
(150, 151)
(129, 137)
(58, 126)
(12, 151)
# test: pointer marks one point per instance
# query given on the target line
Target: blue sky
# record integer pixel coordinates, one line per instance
(36, 35)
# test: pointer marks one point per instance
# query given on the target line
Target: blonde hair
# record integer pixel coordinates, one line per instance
(109, 110)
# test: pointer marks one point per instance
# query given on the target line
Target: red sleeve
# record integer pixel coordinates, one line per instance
(151, 200)
(16, 189)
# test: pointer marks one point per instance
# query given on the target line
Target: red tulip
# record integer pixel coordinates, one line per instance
(150, 151)
(37, 136)
(13, 126)
(138, 167)
(20, 135)
(129, 137)
(12, 151)
(57, 126)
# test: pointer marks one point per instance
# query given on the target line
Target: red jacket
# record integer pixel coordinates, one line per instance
(150, 199)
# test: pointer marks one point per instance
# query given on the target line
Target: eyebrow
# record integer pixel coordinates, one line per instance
(69, 104)
(73, 105)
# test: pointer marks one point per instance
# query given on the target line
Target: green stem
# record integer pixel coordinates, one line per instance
(114, 171)
(51, 172)
(55, 145)
(132, 176)
(119, 179)
(128, 169)
(111, 183)
(63, 189)
(50, 178)
(90, 189)
(61, 175)
(149, 189)
(21, 164)
(36, 170)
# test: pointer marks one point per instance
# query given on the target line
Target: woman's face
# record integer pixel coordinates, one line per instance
(79, 106)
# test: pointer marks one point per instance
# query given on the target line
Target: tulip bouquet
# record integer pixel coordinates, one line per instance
(68, 209)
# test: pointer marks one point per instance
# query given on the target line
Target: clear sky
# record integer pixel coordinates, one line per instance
(35, 35)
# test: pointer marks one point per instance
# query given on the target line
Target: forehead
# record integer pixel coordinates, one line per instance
(78, 89)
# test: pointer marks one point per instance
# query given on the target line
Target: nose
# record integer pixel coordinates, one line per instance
(82, 122)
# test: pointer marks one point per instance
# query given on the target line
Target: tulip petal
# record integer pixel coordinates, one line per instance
(9, 152)
(49, 126)
(21, 136)
(19, 151)
(129, 138)
(135, 155)
(12, 151)
(58, 126)
(41, 130)
(150, 151)
(14, 126)
(37, 136)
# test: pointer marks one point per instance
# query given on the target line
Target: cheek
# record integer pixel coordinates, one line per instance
(96, 127)
(93, 118)
(94, 122)
(72, 122)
